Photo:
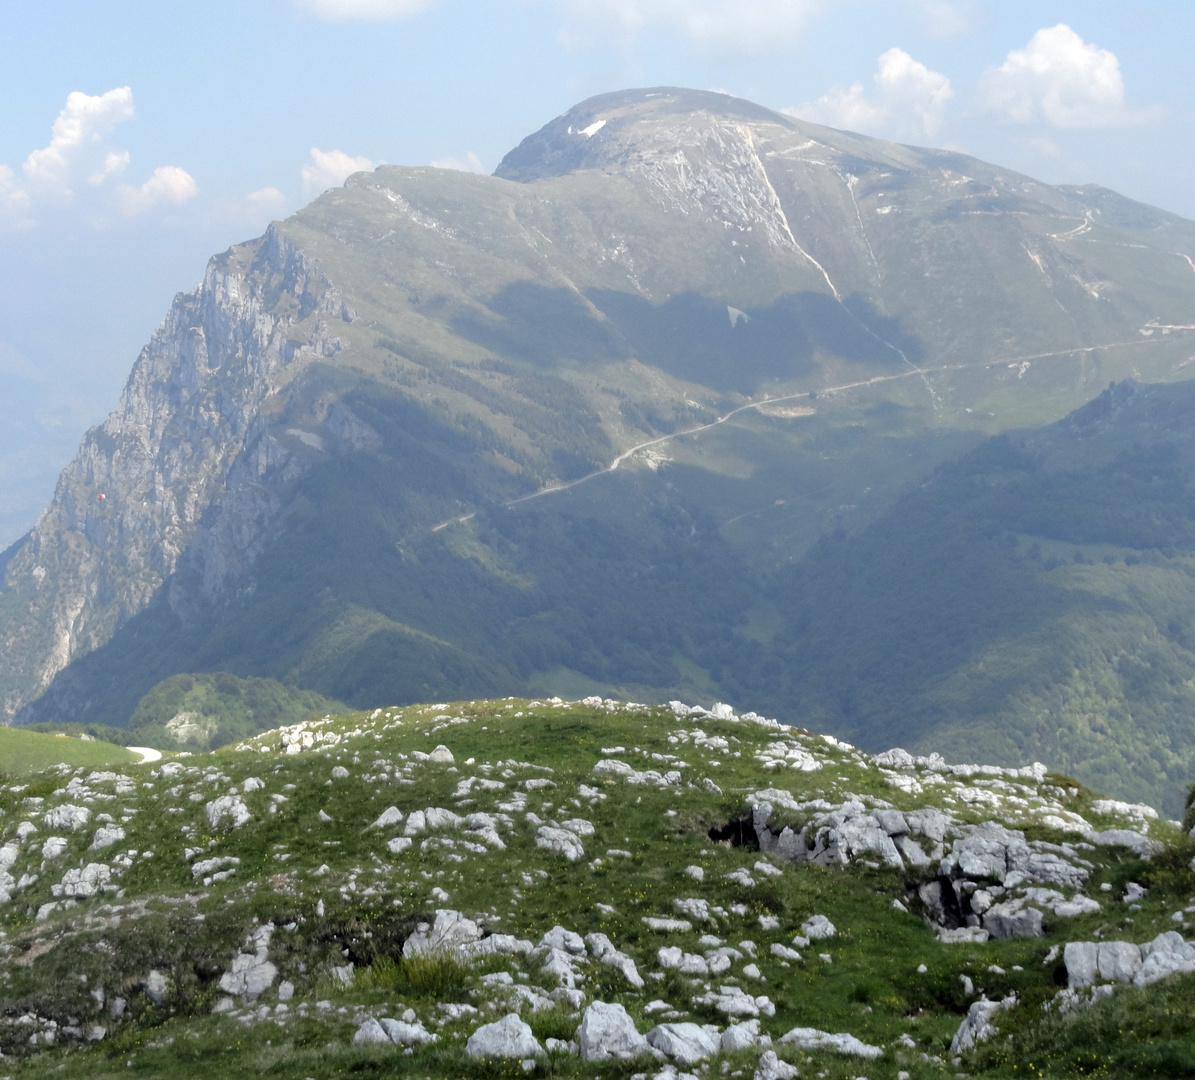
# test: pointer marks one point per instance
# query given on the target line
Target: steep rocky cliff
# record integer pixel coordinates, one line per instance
(127, 507)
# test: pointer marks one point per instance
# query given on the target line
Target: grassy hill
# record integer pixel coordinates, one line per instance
(665, 849)
(25, 752)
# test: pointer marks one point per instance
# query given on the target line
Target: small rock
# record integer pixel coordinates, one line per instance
(156, 987)
(739, 1036)
(1009, 921)
(607, 1031)
(818, 928)
(451, 930)
(1141, 846)
(67, 816)
(695, 872)
(733, 1001)
(392, 815)
(441, 755)
(93, 878)
(371, 1032)
(772, 1068)
(969, 935)
(509, 1037)
(686, 1043)
(339, 772)
(406, 1032)
(978, 1027)
(560, 842)
(603, 949)
(1168, 954)
(812, 1039)
(228, 806)
(667, 925)
(566, 940)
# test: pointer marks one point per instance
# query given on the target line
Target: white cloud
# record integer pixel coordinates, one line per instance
(169, 184)
(14, 201)
(1060, 79)
(267, 200)
(77, 135)
(74, 169)
(116, 161)
(1046, 147)
(946, 18)
(15, 362)
(746, 25)
(366, 9)
(329, 169)
(470, 163)
(908, 101)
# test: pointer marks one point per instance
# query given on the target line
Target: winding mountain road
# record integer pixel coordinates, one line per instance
(919, 372)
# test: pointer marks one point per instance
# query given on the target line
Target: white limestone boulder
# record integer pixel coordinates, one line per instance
(606, 1031)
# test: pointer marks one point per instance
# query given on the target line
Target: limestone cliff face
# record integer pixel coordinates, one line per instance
(126, 508)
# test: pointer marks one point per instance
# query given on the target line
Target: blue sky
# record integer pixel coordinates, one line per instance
(138, 138)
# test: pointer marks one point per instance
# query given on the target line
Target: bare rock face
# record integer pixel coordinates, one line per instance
(130, 503)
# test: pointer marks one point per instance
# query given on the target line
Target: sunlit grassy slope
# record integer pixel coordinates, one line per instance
(24, 752)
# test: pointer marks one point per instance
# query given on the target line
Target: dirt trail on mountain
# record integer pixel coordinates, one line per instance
(918, 372)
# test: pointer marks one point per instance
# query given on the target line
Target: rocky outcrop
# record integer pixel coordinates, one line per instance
(187, 428)
(1090, 962)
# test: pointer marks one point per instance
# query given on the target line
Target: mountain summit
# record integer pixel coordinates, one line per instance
(585, 426)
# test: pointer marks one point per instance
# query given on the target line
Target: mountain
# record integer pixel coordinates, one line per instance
(1034, 596)
(589, 425)
(551, 888)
